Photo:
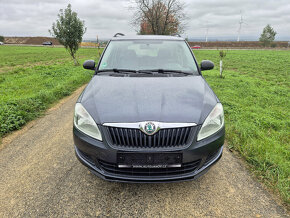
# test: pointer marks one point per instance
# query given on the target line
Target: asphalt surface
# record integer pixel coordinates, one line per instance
(40, 176)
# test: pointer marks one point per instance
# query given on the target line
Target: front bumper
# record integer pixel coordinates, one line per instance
(93, 153)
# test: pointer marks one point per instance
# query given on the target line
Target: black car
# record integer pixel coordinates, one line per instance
(148, 115)
(47, 43)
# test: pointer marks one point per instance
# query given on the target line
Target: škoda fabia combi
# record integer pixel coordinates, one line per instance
(148, 115)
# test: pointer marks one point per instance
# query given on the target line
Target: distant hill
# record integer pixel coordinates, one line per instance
(30, 40)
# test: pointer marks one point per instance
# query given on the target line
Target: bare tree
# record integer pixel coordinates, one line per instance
(159, 17)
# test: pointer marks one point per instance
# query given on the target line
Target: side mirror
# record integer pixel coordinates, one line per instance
(206, 65)
(89, 65)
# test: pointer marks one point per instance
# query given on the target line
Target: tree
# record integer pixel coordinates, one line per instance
(159, 17)
(1, 38)
(69, 30)
(268, 35)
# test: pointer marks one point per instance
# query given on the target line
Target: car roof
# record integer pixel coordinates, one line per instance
(148, 37)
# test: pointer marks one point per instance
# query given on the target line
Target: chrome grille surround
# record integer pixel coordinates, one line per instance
(130, 136)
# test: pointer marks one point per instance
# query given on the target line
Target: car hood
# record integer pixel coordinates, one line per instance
(135, 99)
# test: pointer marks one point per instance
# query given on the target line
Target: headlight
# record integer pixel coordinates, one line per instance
(85, 123)
(213, 123)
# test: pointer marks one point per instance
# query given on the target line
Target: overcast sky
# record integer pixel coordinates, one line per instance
(106, 17)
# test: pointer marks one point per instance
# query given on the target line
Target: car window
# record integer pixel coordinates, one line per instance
(148, 54)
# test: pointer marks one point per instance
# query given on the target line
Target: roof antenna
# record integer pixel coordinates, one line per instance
(119, 34)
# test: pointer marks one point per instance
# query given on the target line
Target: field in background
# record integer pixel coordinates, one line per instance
(254, 92)
(210, 44)
(240, 45)
(89, 44)
(30, 40)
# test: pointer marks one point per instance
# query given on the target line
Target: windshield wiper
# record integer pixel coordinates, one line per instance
(163, 71)
(116, 70)
(153, 71)
(126, 71)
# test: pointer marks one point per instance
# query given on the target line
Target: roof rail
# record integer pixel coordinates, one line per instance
(119, 34)
(176, 34)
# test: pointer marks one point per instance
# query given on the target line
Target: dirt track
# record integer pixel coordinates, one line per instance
(40, 176)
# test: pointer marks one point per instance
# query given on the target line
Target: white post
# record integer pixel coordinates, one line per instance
(221, 68)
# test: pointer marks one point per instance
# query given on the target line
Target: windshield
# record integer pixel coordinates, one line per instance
(148, 55)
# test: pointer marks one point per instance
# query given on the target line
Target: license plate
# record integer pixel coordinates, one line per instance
(149, 160)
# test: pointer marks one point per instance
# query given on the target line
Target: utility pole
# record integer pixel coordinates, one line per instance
(206, 31)
(206, 34)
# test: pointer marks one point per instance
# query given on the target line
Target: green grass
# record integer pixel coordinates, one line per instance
(255, 96)
(254, 92)
(11, 56)
(36, 81)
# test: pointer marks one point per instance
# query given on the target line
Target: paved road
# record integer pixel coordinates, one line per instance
(40, 176)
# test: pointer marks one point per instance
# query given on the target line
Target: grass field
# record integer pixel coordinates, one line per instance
(33, 78)
(254, 92)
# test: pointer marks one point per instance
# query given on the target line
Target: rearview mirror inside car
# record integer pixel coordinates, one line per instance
(89, 65)
(206, 65)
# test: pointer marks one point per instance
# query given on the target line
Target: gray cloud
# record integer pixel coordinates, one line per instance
(223, 17)
(106, 17)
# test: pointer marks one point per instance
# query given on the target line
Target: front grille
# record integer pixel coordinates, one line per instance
(164, 138)
(152, 172)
